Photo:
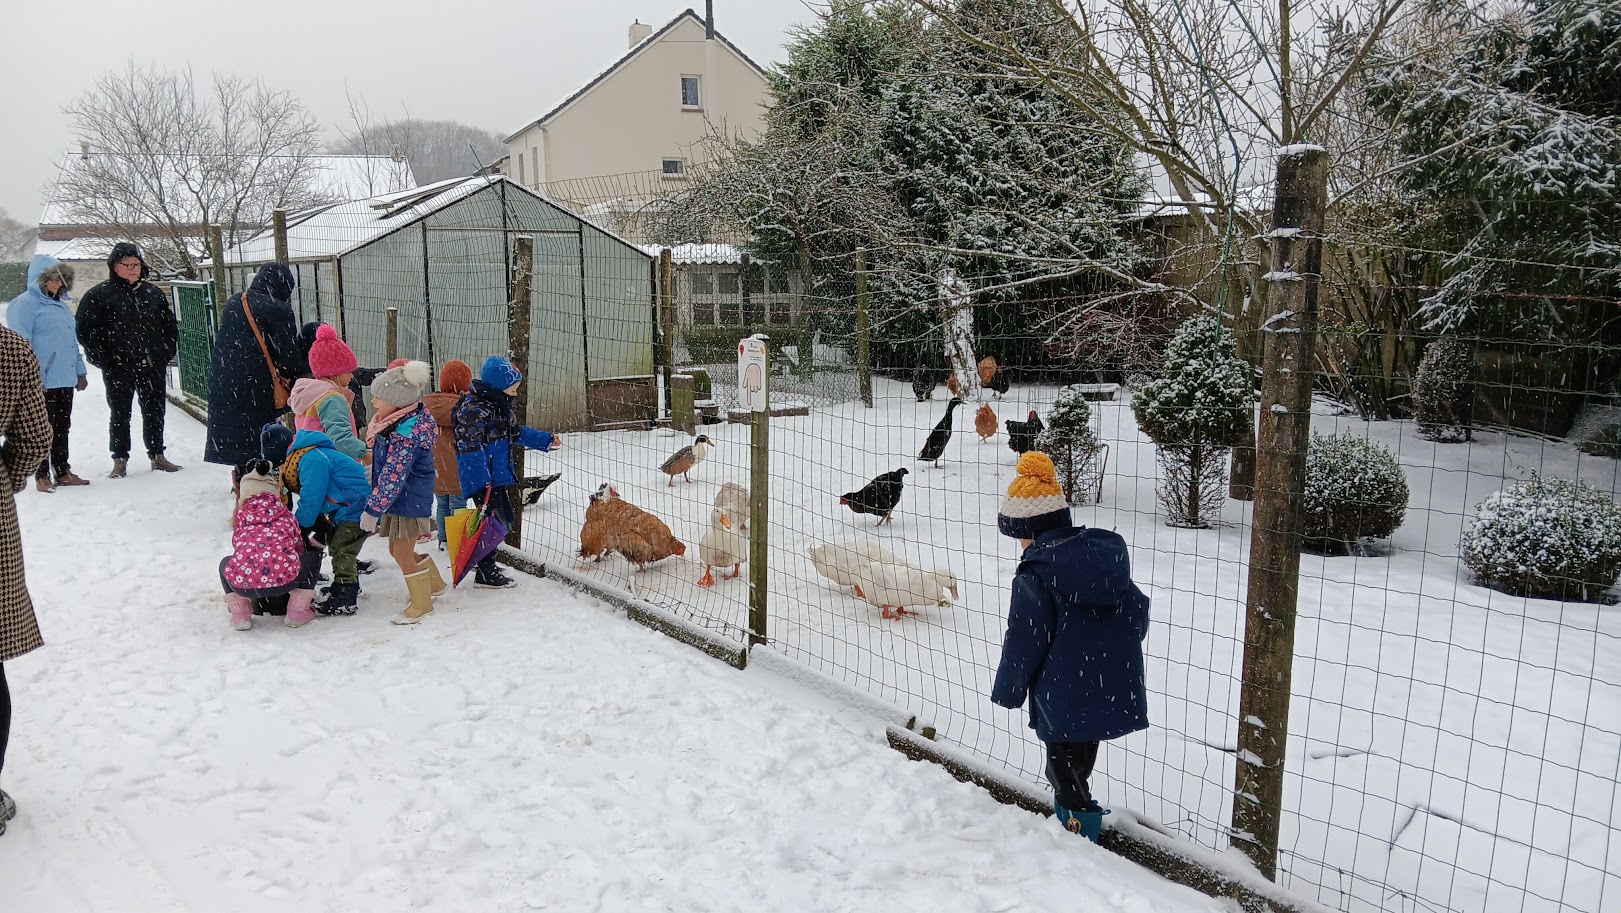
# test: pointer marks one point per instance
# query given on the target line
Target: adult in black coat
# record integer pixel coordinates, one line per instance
(129, 331)
(241, 396)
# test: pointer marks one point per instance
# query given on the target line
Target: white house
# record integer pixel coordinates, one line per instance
(633, 132)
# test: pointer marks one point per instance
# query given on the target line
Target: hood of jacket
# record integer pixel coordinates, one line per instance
(37, 265)
(310, 438)
(308, 390)
(415, 425)
(121, 250)
(275, 280)
(1094, 564)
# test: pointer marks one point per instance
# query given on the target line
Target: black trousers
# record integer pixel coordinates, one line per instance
(59, 409)
(1069, 767)
(5, 716)
(500, 507)
(123, 385)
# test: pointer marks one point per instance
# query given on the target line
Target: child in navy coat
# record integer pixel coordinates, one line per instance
(1074, 638)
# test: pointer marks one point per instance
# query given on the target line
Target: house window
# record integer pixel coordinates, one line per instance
(700, 284)
(703, 313)
(728, 284)
(689, 92)
(757, 281)
(522, 178)
(779, 282)
(675, 168)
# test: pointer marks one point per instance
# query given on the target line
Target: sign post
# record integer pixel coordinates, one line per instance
(753, 381)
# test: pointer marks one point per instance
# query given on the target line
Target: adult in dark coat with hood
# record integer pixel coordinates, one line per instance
(241, 395)
(129, 331)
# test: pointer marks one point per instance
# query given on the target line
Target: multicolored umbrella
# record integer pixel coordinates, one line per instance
(485, 533)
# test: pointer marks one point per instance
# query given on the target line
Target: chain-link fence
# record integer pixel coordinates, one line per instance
(1452, 736)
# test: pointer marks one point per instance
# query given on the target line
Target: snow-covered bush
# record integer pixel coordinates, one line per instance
(1443, 391)
(1546, 538)
(1073, 445)
(1200, 405)
(1355, 489)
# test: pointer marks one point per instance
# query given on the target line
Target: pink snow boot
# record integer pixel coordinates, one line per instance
(298, 608)
(241, 608)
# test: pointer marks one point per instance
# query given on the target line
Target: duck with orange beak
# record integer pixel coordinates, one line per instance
(723, 544)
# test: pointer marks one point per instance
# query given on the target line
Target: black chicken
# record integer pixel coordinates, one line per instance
(1021, 436)
(939, 437)
(1000, 383)
(923, 383)
(878, 496)
(533, 486)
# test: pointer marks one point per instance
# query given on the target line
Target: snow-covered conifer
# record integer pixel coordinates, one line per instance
(1443, 391)
(1072, 444)
(1355, 489)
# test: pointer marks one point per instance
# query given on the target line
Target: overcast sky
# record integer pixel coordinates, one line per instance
(496, 64)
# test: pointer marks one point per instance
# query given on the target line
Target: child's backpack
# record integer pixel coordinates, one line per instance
(266, 546)
(289, 470)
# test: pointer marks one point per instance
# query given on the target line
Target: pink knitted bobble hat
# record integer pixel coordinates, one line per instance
(329, 356)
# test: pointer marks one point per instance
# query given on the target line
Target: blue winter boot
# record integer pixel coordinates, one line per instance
(1088, 823)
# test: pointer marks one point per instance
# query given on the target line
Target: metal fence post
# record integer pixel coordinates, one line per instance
(1282, 437)
(863, 331)
(519, 315)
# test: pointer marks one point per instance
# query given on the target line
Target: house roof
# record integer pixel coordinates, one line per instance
(691, 254)
(332, 231)
(342, 177)
(630, 55)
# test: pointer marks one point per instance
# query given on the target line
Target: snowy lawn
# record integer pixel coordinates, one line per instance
(1451, 747)
(527, 749)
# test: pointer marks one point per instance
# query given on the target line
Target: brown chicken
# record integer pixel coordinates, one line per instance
(615, 525)
(987, 370)
(951, 384)
(985, 422)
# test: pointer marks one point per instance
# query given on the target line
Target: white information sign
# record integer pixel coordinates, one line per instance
(752, 373)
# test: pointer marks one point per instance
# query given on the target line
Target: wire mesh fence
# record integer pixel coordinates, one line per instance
(1454, 741)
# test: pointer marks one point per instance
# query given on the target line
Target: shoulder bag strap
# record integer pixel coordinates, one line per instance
(264, 349)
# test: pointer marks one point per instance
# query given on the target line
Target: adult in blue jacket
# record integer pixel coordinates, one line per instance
(241, 390)
(41, 316)
(485, 430)
(1073, 648)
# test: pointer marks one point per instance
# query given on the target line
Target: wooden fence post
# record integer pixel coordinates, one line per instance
(216, 253)
(519, 314)
(1282, 436)
(682, 416)
(667, 320)
(278, 228)
(746, 310)
(863, 331)
(391, 338)
(759, 510)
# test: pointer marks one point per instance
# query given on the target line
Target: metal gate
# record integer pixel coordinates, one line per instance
(194, 308)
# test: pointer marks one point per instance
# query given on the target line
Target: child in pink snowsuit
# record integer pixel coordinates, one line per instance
(268, 554)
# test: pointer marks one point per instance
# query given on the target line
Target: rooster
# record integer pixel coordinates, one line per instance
(1021, 436)
(615, 525)
(985, 422)
(878, 496)
(935, 445)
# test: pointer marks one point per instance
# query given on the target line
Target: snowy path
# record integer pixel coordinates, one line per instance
(520, 750)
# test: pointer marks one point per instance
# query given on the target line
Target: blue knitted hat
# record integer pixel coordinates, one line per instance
(274, 440)
(499, 372)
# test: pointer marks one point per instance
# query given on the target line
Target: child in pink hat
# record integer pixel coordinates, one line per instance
(323, 402)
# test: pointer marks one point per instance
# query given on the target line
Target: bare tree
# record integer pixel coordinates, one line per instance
(437, 149)
(161, 158)
(16, 239)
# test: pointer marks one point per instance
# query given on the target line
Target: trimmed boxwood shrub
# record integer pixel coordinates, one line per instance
(1546, 538)
(1355, 490)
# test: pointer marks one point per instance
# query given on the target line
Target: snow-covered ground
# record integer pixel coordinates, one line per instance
(521, 750)
(1452, 748)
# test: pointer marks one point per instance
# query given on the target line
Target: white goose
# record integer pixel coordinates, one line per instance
(895, 585)
(839, 561)
(722, 545)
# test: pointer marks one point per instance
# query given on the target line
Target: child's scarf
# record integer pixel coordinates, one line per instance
(380, 421)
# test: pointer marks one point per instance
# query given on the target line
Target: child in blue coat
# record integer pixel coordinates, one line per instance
(1073, 648)
(485, 430)
(332, 492)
